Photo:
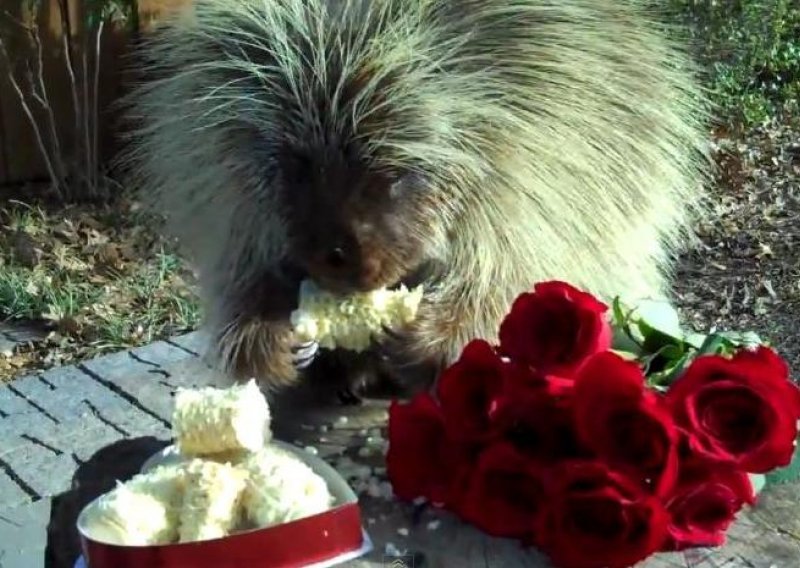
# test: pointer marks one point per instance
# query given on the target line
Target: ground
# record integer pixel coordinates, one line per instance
(82, 280)
(746, 273)
(96, 278)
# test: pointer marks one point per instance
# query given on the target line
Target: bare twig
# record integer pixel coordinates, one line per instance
(44, 99)
(87, 146)
(29, 113)
(66, 34)
(96, 96)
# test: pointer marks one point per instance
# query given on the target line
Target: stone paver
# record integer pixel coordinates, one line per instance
(23, 535)
(53, 421)
(14, 335)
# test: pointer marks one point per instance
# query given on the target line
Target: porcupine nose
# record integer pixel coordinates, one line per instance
(337, 259)
(344, 265)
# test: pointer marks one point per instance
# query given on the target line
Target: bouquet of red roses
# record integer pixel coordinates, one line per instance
(598, 457)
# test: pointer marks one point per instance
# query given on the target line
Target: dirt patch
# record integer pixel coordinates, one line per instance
(746, 274)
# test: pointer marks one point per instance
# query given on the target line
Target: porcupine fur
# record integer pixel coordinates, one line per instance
(483, 145)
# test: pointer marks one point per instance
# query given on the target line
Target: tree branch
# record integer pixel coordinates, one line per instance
(96, 96)
(44, 99)
(54, 180)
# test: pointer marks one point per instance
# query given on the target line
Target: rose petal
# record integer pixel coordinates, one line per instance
(705, 503)
(505, 493)
(595, 517)
(625, 423)
(768, 404)
(468, 389)
(555, 328)
(414, 459)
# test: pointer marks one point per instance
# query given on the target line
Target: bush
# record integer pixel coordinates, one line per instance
(750, 50)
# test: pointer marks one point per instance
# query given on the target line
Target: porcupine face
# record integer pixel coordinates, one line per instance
(353, 226)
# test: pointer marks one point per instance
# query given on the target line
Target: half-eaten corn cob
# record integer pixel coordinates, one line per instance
(213, 420)
(212, 500)
(354, 321)
(142, 511)
(281, 488)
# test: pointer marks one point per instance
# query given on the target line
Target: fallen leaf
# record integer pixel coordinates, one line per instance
(26, 250)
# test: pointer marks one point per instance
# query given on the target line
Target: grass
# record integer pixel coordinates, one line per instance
(96, 278)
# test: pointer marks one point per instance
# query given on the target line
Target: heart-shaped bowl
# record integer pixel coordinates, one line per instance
(326, 539)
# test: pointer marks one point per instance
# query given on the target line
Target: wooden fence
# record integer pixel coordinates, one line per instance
(20, 159)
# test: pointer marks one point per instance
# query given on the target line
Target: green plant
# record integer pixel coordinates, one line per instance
(750, 50)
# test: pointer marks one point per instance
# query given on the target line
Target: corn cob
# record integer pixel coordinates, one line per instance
(142, 511)
(212, 501)
(211, 420)
(351, 322)
(281, 488)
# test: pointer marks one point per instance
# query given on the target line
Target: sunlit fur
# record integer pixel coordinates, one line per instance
(558, 139)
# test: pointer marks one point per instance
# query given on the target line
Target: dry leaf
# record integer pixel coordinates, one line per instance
(108, 255)
(26, 250)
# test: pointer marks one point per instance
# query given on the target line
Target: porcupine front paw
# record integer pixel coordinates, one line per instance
(269, 352)
(405, 363)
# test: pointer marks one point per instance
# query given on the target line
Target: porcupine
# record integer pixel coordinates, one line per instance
(476, 147)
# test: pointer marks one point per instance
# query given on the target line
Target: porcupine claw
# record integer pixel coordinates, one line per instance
(304, 354)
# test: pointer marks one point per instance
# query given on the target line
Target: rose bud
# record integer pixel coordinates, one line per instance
(468, 390)
(555, 328)
(539, 422)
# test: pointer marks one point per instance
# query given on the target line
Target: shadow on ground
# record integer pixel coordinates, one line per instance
(97, 475)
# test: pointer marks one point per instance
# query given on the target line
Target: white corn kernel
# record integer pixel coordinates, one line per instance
(211, 420)
(142, 511)
(212, 501)
(281, 488)
(354, 321)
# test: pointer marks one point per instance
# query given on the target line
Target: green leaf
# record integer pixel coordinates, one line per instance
(655, 341)
(744, 339)
(622, 341)
(759, 481)
(714, 344)
(787, 474)
(658, 316)
(619, 318)
(695, 339)
(670, 374)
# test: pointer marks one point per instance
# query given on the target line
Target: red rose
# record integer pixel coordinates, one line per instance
(538, 420)
(625, 422)
(555, 328)
(468, 390)
(597, 518)
(421, 461)
(742, 410)
(504, 493)
(705, 503)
